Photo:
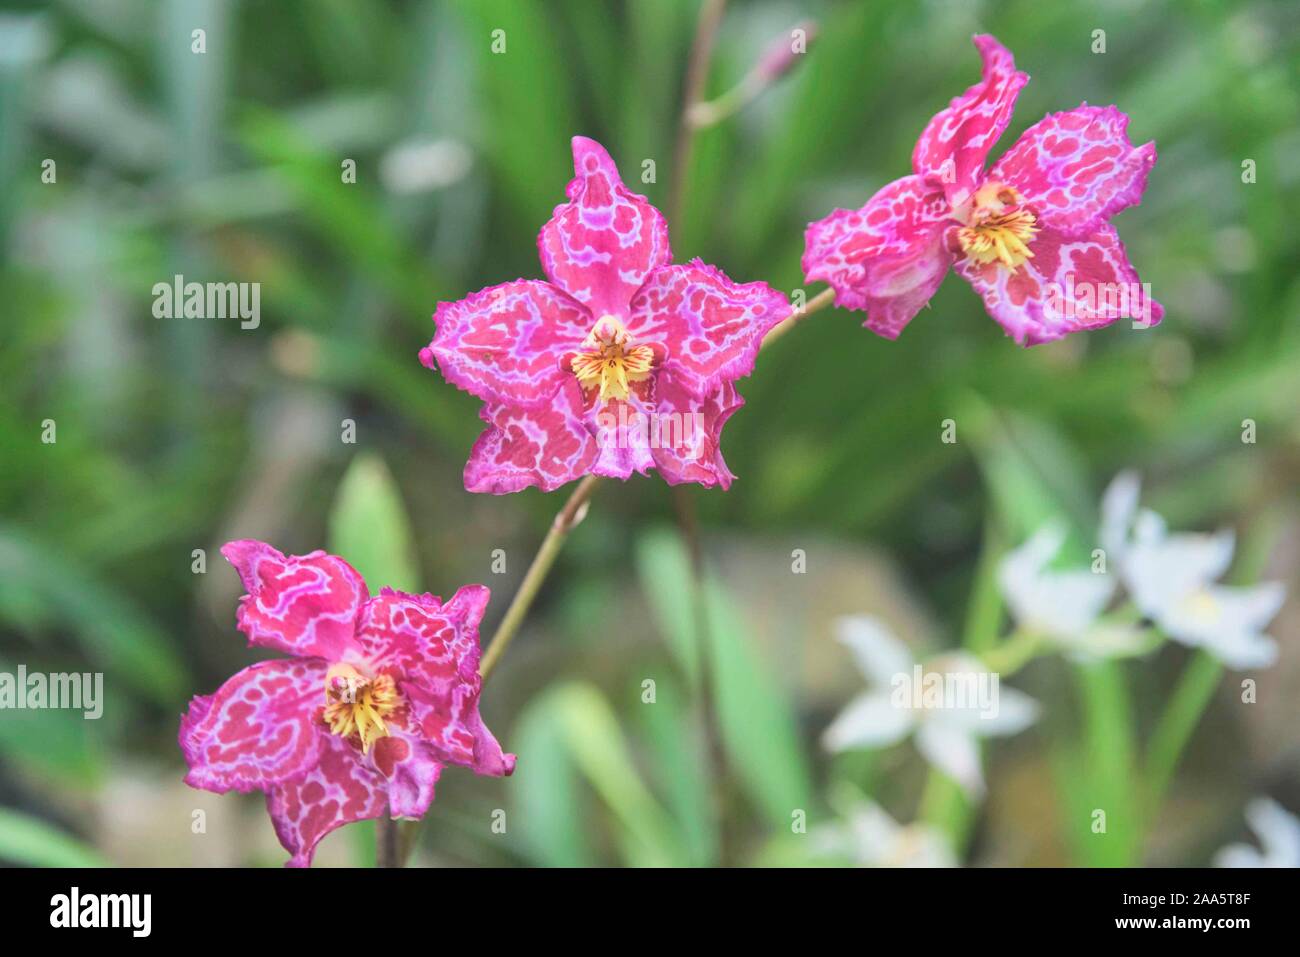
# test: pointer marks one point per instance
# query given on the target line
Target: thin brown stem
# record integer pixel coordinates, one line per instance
(388, 843)
(818, 302)
(697, 76)
(568, 517)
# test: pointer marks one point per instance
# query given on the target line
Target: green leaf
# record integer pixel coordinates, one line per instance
(759, 731)
(591, 732)
(1034, 475)
(676, 737)
(55, 742)
(665, 573)
(369, 527)
(31, 841)
(110, 629)
(755, 716)
(530, 83)
(553, 809)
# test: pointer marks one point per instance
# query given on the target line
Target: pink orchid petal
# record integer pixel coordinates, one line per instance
(953, 146)
(600, 246)
(1077, 169)
(712, 326)
(433, 650)
(258, 729)
(505, 343)
(1048, 297)
(303, 605)
(546, 446)
(411, 768)
(888, 257)
(338, 790)
(622, 442)
(689, 433)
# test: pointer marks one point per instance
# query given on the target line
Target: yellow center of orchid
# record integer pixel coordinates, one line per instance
(357, 705)
(1203, 606)
(609, 362)
(997, 226)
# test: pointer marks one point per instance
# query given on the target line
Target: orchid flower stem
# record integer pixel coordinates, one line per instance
(704, 115)
(1017, 651)
(388, 852)
(569, 516)
(818, 302)
(1174, 729)
(697, 76)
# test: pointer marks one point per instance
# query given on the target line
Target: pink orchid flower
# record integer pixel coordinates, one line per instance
(621, 362)
(1031, 234)
(380, 694)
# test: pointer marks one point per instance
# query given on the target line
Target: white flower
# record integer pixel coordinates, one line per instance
(949, 704)
(869, 837)
(1279, 835)
(1171, 578)
(1118, 505)
(1065, 605)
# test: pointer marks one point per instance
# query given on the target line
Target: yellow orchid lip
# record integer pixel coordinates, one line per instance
(358, 706)
(998, 227)
(608, 362)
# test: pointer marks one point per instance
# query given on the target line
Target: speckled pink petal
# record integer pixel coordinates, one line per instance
(546, 446)
(258, 729)
(955, 143)
(1077, 169)
(433, 650)
(710, 326)
(686, 444)
(1069, 285)
(600, 246)
(888, 257)
(411, 768)
(300, 604)
(505, 343)
(621, 428)
(340, 789)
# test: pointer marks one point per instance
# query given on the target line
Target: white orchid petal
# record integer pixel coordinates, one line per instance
(1162, 570)
(954, 751)
(1278, 831)
(870, 720)
(1227, 621)
(878, 653)
(1063, 604)
(1118, 506)
(1239, 855)
(1015, 712)
(874, 831)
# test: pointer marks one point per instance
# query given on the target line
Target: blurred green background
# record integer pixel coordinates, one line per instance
(175, 435)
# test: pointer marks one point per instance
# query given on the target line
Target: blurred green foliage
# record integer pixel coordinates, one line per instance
(176, 435)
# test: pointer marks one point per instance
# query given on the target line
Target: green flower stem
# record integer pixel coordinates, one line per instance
(818, 302)
(569, 516)
(1020, 648)
(1181, 716)
(702, 116)
(1200, 677)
